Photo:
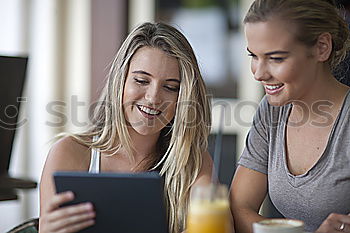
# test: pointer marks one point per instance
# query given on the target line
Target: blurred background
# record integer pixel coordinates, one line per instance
(70, 44)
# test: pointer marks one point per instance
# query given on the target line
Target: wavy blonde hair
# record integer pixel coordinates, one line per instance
(311, 17)
(183, 141)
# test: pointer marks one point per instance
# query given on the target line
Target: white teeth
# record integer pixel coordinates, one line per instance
(273, 87)
(148, 110)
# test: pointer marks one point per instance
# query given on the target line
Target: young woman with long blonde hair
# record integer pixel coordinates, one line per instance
(153, 114)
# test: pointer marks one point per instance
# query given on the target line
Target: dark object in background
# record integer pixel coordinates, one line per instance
(343, 2)
(342, 73)
(228, 156)
(12, 76)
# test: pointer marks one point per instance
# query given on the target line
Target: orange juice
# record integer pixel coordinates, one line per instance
(209, 216)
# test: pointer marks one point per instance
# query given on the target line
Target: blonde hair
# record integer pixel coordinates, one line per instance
(311, 17)
(183, 141)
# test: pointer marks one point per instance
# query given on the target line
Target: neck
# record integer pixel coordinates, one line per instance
(325, 96)
(143, 145)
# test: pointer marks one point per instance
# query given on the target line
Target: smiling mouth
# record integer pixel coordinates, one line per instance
(148, 111)
(273, 87)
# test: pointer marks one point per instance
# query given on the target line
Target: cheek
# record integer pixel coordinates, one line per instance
(129, 97)
(286, 73)
(171, 109)
(130, 94)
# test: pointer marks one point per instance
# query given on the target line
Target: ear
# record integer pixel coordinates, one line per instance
(324, 46)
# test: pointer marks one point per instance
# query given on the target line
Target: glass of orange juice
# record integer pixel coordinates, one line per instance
(209, 210)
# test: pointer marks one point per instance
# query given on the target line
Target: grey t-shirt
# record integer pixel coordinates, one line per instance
(312, 196)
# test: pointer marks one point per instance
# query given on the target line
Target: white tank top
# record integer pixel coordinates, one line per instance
(94, 159)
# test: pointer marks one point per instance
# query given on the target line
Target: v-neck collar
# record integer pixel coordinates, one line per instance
(297, 180)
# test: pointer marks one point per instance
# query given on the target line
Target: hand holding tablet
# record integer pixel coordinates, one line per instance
(130, 203)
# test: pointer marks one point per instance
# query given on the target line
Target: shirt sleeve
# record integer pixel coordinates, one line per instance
(256, 150)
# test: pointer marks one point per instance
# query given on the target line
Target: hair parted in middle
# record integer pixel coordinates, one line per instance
(183, 141)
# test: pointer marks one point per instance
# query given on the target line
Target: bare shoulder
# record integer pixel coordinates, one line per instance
(68, 154)
(65, 155)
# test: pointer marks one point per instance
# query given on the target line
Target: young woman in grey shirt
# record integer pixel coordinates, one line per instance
(297, 147)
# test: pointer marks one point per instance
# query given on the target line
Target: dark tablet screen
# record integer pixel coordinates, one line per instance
(124, 203)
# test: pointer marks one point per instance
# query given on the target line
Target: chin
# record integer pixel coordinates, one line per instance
(146, 131)
(277, 102)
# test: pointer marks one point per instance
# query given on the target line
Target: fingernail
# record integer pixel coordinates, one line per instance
(70, 194)
(88, 205)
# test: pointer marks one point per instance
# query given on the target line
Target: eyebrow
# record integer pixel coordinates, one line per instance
(272, 52)
(141, 72)
(148, 74)
(173, 80)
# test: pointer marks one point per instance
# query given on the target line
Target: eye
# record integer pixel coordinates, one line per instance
(141, 81)
(172, 88)
(252, 55)
(278, 59)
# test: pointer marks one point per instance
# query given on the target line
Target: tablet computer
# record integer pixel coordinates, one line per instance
(124, 203)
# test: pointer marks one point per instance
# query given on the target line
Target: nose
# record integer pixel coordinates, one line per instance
(153, 94)
(260, 71)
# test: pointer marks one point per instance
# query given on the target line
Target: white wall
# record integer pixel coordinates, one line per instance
(141, 11)
(56, 36)
(14, 42)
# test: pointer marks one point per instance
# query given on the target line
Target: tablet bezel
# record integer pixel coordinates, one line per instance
(132, 203)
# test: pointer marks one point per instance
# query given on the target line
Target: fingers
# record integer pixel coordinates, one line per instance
(344, 219)
(335, 223)
(59, 199)
(76, 227)
(74, 223)
(345, 223)
(346, 228)
(66, 219)
(71, 214)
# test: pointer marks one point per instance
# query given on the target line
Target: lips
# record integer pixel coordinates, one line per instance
(273, 89)
(148, 111)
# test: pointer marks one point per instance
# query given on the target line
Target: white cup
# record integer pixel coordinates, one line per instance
(278, 225)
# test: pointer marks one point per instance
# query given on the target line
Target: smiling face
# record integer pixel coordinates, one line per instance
(286, 68)
(151, 90)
